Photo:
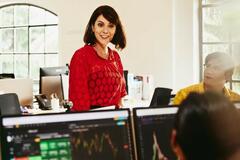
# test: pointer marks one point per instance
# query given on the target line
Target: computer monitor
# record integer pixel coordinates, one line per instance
(161, 96)
(71, 136)
(50, 82)
(23, 87)
(153, 128)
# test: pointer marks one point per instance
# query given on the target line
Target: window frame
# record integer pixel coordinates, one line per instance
(29, 27)
(228, 42)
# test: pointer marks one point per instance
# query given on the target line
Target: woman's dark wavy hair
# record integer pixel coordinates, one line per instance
(119, 39)
(206, 127)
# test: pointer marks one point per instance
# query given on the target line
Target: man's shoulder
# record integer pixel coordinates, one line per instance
(234, 96)
(193, 88)
(183, 93)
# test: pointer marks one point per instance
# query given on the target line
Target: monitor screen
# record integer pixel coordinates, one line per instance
(23, 87)
(51, 85)
(153, 128)
(50, 80)
(71, 136)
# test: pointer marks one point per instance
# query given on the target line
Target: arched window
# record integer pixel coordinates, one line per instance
(28, 40)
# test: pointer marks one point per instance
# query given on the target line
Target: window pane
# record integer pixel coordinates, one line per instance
(50, 18)
(1, 45)
(36, 61)
(236, 74)
(36, 15)
(35, 87)
(51, 37)
(236, 87)
(212, 1)
(1, 18)
(7, 16)
(37, 39)
(21, 40)
(7, 40)
(6, 63)
(20, 15)
(235, 35)
(51, 60)
(236, 58)
(213, 21)
(21, 66)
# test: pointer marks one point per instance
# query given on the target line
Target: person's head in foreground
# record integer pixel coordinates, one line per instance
(218, 70)
(206, 128)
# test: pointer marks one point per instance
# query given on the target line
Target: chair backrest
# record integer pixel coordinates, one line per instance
(7, 75)
(161, 96)
(9, 104)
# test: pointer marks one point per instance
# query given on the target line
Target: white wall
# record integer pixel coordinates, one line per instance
(160, 37)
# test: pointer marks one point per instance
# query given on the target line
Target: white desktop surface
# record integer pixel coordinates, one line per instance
(127, 103)
(40, 111)
(133, 103)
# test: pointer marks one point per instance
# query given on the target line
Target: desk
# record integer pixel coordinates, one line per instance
(39, 111)
(133, 103)
(36, 110)
(127, 103)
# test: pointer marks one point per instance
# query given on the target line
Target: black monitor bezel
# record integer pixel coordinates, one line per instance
(51, 71)
(3, 134)
(136, 129)
(156, 96)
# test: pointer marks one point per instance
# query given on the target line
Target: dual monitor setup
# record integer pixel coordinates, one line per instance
(105, 134)
(17, 92)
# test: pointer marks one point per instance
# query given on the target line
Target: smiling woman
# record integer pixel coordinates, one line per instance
(104, 32)
(96, 72)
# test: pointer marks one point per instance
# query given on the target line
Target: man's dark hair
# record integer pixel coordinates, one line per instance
(206, 127)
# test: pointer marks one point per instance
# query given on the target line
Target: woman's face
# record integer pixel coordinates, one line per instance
(103, 31)
(214, 74)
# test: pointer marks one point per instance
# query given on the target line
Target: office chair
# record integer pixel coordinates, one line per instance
(9, 104)
(7, 75)
(161, 96)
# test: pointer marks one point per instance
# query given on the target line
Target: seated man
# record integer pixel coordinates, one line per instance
(205, 128)
(218, 70)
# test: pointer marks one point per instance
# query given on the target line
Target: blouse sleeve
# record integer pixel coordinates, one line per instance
(120, 66)
(78, 86)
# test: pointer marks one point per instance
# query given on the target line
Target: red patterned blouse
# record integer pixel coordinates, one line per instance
(95, 81)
